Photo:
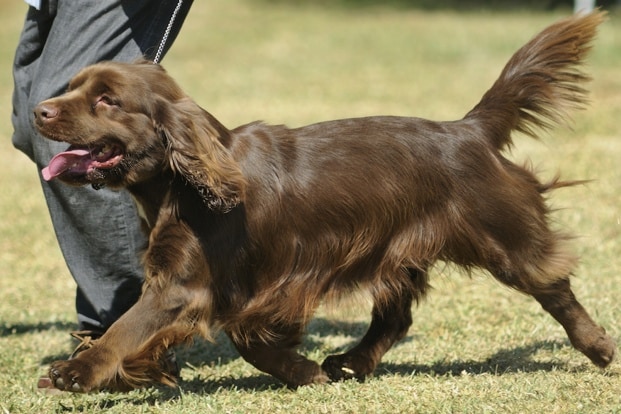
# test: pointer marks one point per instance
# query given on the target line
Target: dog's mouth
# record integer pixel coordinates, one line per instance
(83, 161)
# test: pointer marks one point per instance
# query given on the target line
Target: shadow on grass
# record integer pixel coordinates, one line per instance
(505, 361)
(27, 328)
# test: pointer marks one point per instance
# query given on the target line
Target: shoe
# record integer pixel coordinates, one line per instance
(45, 386)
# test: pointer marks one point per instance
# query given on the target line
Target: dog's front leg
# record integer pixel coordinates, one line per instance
(128, 355)
(173, 304)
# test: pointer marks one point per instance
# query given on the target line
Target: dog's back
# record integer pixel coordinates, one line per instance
(408, 191)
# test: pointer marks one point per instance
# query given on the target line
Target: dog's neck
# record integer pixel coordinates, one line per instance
(150, 197)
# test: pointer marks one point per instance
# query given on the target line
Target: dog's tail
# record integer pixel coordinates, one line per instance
(541, 81)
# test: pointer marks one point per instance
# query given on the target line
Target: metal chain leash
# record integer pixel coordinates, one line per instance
(160, 49)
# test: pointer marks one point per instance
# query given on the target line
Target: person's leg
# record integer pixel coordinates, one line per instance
(98, 231)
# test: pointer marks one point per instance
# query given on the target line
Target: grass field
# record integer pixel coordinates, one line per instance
(475, 346)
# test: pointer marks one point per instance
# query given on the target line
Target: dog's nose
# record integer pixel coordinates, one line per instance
(44, 112)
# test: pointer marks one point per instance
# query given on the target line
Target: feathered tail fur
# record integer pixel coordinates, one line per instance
(541, 81)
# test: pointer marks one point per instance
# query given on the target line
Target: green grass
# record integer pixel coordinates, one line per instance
(475, 346)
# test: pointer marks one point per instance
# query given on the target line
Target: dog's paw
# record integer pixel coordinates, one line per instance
(73, 375)
(600, 349)
(344, 367)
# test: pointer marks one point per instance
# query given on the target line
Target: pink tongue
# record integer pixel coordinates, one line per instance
(77, 159)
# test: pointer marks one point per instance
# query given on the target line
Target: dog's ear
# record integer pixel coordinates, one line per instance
(194, 140)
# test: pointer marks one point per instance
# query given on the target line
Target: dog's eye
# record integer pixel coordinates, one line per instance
(106, 100)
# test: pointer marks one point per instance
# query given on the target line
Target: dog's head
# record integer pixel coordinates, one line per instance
(127, 122)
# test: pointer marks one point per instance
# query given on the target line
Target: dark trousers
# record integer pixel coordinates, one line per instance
(98, 231)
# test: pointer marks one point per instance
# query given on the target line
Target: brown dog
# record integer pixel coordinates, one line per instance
(249, 229)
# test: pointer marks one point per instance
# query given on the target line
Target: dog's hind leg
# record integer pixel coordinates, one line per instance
(543, 272)
(584, 334)
(391, 319)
